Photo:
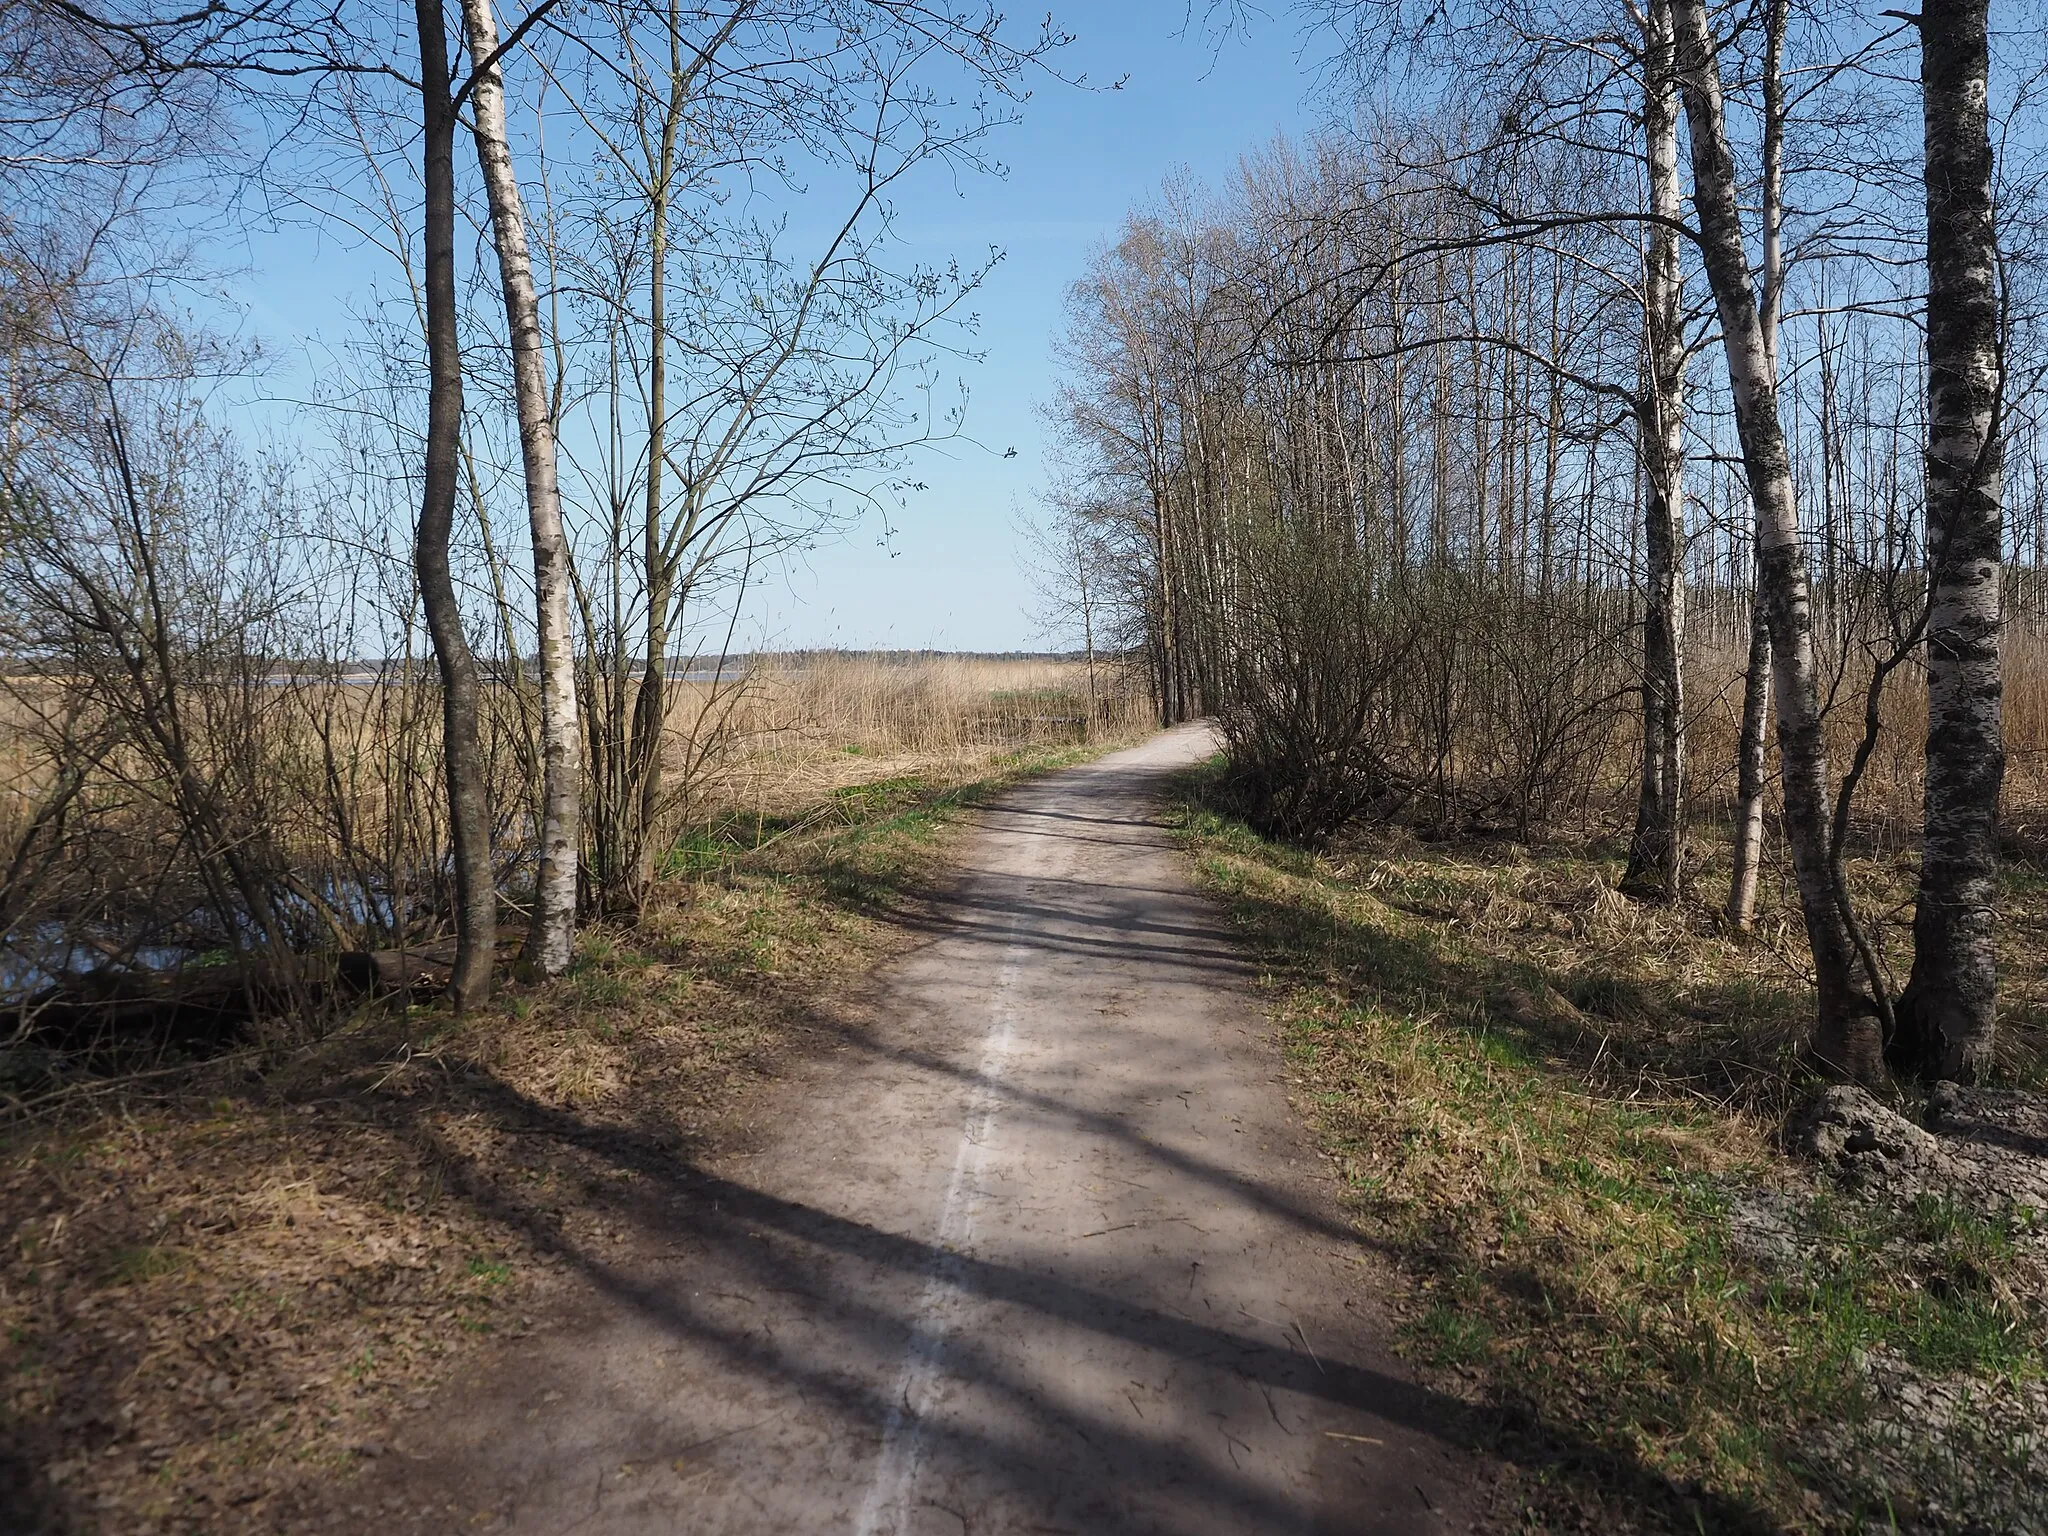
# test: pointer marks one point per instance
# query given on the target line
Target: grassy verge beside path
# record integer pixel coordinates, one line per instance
(1556, 1110)
(223, 1289)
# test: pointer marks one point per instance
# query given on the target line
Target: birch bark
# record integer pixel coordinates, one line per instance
(1846, 1040)
(1657, 848)
(1747, 857)
(476, 908)
(1948, 1015)
(551, 933)
(1747, 850)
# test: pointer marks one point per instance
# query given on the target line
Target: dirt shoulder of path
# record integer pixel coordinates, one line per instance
(221, 1289)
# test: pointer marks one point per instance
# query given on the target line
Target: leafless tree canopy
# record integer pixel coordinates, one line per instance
(694, 345)
(1476, 461)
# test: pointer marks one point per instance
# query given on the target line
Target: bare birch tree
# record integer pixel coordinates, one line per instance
(1746, 847)
(1948, 1014)
(551, 930)
(1847, 1039)
(1656, 849)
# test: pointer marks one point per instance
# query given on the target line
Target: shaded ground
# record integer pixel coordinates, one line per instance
(222, 1286)
(1038, 1247)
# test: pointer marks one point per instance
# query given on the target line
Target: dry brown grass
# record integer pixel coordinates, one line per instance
(222, 1290)
(1888, 801)
(791, 730)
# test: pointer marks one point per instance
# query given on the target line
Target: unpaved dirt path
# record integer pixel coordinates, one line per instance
(1041, 1249)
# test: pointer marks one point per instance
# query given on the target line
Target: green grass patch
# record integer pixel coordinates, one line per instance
(1526, 1083)
(137, 1265)
(1453, 1335)
(489, 1273)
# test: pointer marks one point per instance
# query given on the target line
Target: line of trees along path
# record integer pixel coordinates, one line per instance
(1460, 458)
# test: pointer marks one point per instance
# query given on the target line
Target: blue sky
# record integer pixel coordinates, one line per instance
(1078, 163)
(1079, 160)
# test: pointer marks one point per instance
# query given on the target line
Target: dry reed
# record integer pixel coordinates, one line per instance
(793, 729)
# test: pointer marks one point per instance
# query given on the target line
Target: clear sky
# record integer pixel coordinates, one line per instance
(1078, 162)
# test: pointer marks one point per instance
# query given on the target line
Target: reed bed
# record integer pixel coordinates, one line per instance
(795, 729)
(319, 788)
(1887, 809)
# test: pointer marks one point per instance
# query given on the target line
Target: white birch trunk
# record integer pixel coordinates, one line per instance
(1748, 848)
(1948, 1015)
(1748, 843)
(1847, 1040)
(551, 935)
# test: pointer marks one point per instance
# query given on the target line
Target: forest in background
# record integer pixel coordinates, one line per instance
(1600, 452)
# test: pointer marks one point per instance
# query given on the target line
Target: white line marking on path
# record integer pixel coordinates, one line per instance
(891, 1495)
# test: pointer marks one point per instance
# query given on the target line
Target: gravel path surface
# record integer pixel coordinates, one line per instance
(1041, 1247)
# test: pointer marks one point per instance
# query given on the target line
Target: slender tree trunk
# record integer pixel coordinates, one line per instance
(1847, 1040)
(650, 704)
(469, 824)
(1748, 842)
(1087, 597)
(1170, 702)
(1749, 768)
(1657, 848)
(551, 934)
(1947, 1017)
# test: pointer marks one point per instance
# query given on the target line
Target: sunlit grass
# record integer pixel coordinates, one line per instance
(1549, 1103)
